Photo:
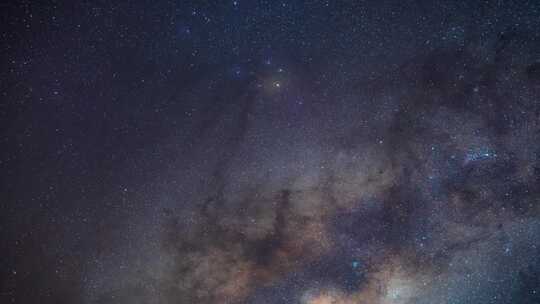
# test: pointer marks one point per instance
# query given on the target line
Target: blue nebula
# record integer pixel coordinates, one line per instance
(481, 154)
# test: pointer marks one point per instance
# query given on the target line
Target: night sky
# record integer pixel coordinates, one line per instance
(265, 152)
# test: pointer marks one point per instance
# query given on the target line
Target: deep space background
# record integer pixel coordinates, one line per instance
(311, 152)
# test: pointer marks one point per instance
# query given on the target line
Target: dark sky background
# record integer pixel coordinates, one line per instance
(311, 152)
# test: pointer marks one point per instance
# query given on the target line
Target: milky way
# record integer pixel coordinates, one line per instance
(315, 166)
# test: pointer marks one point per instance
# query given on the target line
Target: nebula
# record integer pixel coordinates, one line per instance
(442, 199)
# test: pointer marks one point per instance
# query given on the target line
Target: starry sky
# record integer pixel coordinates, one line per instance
(267, 151)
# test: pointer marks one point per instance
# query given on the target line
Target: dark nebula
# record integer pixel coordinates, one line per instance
(311, 152)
